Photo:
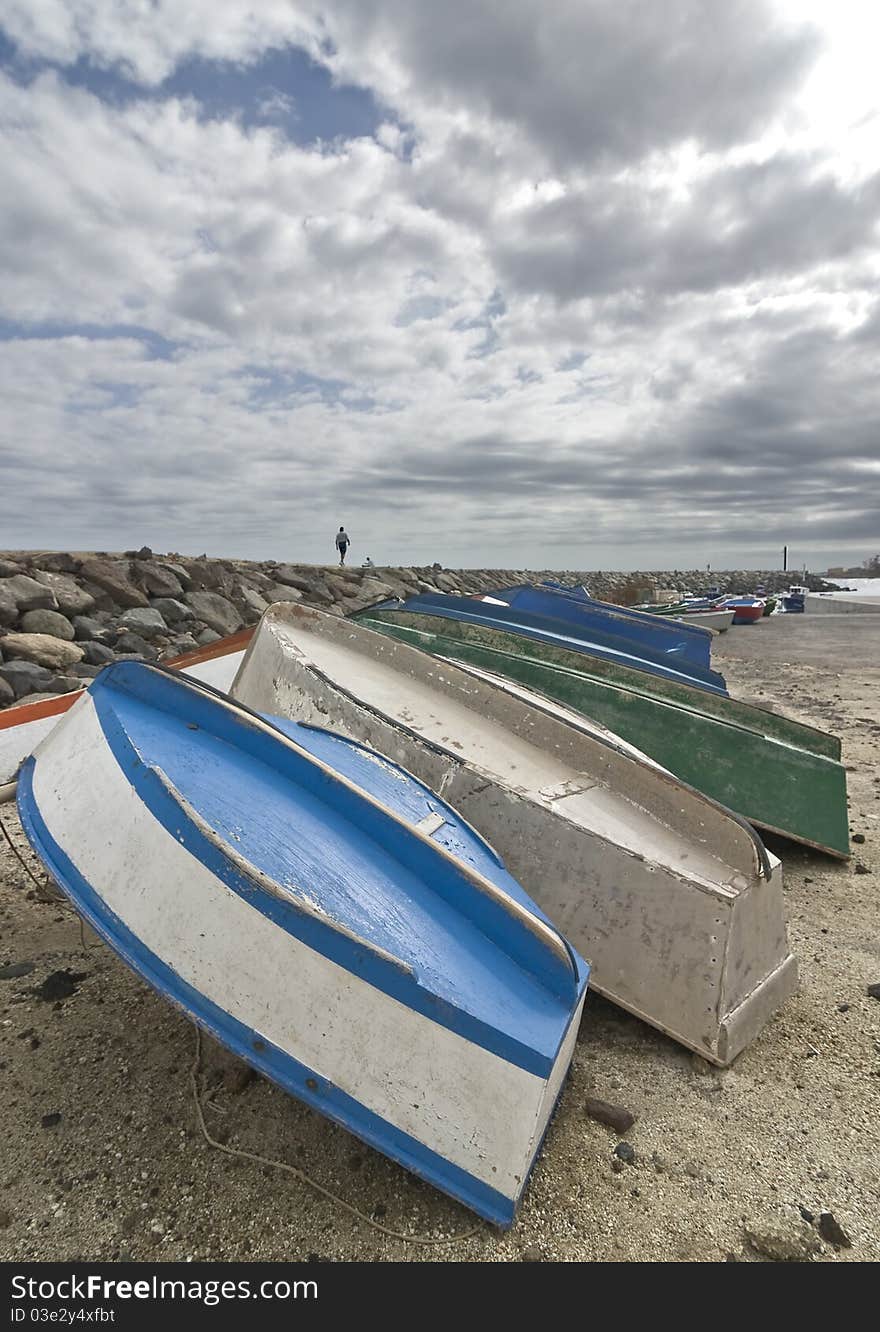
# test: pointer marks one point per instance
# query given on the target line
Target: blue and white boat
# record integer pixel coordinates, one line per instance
(564, 633)
(322, 913)
(687, 642)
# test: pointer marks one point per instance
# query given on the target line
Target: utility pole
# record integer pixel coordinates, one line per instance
(784, 558)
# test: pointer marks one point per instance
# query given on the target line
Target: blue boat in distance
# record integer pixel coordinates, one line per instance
(563, 633)
(322, 913)
(691, 642)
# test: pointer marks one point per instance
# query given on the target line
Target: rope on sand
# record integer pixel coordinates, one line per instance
(301, 1175)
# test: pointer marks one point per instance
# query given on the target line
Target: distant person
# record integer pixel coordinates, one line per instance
(342, 544)
(368, 563)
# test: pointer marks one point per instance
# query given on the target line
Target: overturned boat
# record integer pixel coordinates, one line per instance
(674, 900)
(565, 633)
(780, 775)
(321, 913)
(689, 642)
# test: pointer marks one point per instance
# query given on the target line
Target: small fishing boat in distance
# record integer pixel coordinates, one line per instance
(322, 914)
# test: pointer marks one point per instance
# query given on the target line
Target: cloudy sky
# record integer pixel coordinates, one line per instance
(586, 283)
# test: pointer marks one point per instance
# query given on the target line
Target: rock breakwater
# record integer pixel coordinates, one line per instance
(63, 616)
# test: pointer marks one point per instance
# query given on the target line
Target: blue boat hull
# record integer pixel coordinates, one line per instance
(278, 885)
(688, 643)
(562, 633)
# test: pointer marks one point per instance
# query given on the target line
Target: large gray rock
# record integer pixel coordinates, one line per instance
(7, 693)
(208, 636)
(216, 611)
(47, 622)
(57, 561)
(91, 630)
(172, 610)
(97, 654)
(66, 684)
(178, 571)
(28, 594)
(84, 670)
(280, 593)
(71, 598)
(133, 645)
(255, 578)
(54, 653)
(253, 603)
(8, 569)
(180, 645)
(446, 582)
(288, 573)
(146, 622)
(8, 606)
(112, 576)
(36, 698)
(156, 579)
(25, 677)
(210, 576)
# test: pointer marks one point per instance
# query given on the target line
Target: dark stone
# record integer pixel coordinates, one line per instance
(134, 644)
(862, 869)
(147, 622)
(84, 671)
(65, 684)
(57, 562)
(172, 610)
(832, 1231)
(51, 1120)
(97, 654)
(808, 1216)
(625, 1152)
(156, 579)
(532, 1253)
(858, 838)
(7, 693)
(16, 969)
(59, 985)
(5, 1218)
(874, 990)
(843, 1008)
(113, 578)
(87, 629)
(48, 622)
(615, 1116)
(26, 677)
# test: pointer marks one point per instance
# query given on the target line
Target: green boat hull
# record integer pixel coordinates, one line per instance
(780, 775)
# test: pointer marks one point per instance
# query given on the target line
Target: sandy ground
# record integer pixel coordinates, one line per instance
(102, 1156)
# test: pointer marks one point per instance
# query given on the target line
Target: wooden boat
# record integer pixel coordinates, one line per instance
(794, 601)
(717, 620)
(778, 782)
(673, 899)
(746, 610)
(321, 913)
(23, 727)
(689, 642)
(493, 612)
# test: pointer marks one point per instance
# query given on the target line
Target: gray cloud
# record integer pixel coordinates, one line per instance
(592, 302)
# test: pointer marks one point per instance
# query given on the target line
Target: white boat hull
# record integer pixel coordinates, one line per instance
(664, 892)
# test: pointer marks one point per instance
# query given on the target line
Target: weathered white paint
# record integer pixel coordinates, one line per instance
(720, 621)
(655, 884)
(470, 1106)
(18, 739)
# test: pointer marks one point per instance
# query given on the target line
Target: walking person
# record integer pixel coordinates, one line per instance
(342, 544)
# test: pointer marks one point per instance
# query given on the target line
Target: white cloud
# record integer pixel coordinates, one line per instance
(555, 308)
